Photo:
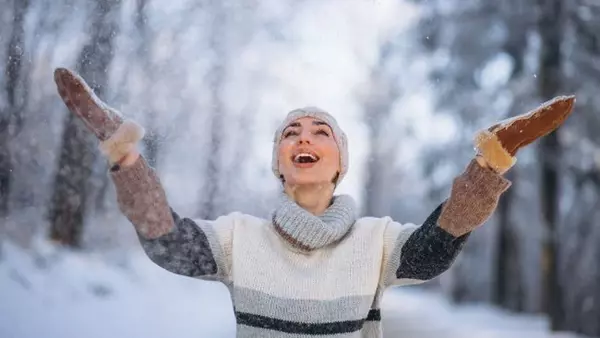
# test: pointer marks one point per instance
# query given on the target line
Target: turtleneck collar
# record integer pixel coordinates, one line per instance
(309, 232)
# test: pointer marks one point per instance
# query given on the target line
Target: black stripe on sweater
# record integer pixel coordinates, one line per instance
(430, 250)
(269, 323)
(374, 315)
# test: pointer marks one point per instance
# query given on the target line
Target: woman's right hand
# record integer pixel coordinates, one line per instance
(118, 136)
(130, 158)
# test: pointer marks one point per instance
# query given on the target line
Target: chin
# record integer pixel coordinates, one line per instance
(306, 179)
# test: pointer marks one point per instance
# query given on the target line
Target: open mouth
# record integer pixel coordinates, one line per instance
(305, 157)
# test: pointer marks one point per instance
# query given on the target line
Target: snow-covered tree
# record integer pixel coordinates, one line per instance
(78, 154)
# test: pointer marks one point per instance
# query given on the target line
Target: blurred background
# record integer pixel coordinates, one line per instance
(410, 82)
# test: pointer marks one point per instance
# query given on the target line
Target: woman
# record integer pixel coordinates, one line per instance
(313, 268)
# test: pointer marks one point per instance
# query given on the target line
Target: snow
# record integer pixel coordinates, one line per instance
(51, 292)
(422, 313)
(54, 293)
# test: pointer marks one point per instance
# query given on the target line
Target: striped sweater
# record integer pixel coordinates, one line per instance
(281, 290)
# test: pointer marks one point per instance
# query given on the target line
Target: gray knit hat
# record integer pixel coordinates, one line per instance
(320, 114)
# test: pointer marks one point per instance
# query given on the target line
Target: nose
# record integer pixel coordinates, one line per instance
(305, 137)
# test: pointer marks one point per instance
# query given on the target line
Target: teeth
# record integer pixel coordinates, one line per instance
(297, 158)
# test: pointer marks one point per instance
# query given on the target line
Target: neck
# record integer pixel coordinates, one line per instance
(314, 198)
(310, 217)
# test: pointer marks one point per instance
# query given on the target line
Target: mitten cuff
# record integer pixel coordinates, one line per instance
(474, 197)
(122, 141)
(490, 148)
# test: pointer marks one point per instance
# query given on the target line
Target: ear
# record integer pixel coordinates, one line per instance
(336, 178)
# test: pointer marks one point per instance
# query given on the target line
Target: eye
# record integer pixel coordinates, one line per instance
(290, 133)
(322, 132)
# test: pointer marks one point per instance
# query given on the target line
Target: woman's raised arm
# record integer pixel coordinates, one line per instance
(417, 254)
(200, 249)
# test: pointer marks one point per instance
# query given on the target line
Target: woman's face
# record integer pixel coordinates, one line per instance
(308, 153)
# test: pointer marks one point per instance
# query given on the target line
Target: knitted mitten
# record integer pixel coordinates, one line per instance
(499, 144)
(117, 135)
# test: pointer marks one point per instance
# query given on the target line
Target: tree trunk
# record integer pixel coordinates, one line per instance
(78, 154)
(377, 183)
(383, 91)
(550, 30)
(374, 181)
(509, 282)
(11, 118)
(151, 143)
(152, 140)
(5, 168)
(216, 82)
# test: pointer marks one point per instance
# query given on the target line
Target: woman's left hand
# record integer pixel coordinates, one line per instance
(498, 145)
(484, 164)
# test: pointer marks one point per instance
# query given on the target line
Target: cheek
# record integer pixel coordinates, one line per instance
(332, 154)
(284, 152)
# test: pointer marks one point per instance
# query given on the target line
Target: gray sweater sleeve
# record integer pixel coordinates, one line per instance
(180, 245)
(429, 251)
(417, 254)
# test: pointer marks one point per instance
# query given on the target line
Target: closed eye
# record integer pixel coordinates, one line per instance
(290, 133)
(322, 132)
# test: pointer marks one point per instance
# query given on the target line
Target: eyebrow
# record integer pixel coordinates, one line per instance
(293, 124)
(315, 123)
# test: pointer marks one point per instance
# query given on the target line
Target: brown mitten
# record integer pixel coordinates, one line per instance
(117, 136)
(499, 144)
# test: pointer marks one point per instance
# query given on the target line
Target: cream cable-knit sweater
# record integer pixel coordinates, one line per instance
(281, 290)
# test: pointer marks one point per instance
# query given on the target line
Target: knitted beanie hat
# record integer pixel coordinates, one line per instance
(319, 114)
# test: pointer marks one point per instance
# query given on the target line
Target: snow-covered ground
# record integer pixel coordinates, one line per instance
(53, 293)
